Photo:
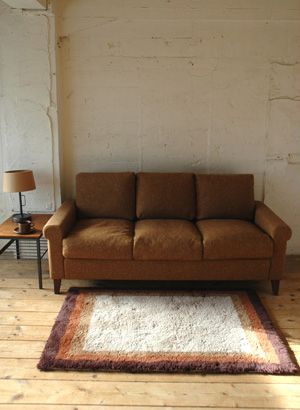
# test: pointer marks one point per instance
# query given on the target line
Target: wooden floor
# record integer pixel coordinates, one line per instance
(27, 315)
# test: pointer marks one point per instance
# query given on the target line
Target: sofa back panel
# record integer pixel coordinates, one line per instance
(105, 195)
(225, 196)
(165, 195)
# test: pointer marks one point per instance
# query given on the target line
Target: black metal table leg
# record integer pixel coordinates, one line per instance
(18, 249)
(39, 263)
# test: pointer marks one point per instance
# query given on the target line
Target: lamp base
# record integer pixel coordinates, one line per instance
(21, 217)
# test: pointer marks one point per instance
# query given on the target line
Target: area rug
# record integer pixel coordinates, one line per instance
(204, 332)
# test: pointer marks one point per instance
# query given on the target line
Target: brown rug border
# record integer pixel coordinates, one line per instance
(288, 363)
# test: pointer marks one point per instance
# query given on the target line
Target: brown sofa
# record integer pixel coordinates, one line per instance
(165, 226)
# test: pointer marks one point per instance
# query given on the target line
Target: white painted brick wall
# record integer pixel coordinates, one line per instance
(179, 85)
(203, 86)
(28, 113)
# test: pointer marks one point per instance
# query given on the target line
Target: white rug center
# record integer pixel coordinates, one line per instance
(165, 324)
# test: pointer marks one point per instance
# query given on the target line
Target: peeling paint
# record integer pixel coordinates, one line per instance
(285, 97)
(293, 158)
(285, 63)
(165, 88)
(28, 106)
(185, 88)
(276, 157)
(61, 40)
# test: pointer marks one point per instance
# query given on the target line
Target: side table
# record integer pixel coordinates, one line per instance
(7, 232)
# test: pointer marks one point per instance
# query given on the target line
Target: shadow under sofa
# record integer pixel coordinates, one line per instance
(166, 226)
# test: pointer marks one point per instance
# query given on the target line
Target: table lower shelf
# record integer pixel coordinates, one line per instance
(40, 251)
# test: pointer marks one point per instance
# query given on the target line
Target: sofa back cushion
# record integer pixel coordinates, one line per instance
(225, 196)
(105, 195)
(165, 195)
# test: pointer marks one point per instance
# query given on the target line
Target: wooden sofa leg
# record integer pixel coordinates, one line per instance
(56, 283)
(275, 287)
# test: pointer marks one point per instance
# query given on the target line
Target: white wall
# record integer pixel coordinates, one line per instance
(196, 85)
(28, 114)
(204, 86)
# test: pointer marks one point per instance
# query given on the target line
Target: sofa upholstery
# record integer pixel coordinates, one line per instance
(99, 239)
(61, 223)
(166, 239)
(171, 226)
(105, 195)
(225, 196)
(234, 239)
(233, 269)
(280, 233)
(165, 196)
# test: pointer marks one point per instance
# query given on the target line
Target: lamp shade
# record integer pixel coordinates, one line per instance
(18, 181)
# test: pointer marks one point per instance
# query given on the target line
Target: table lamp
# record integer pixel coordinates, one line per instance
(19, 181)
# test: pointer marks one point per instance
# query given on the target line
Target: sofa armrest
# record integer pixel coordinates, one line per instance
(61, 222)
(269, 222)
(58, 226)
(279, 231)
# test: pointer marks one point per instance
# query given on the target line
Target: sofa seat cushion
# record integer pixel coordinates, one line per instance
(99, 239)
(234, 239)
(171, 239)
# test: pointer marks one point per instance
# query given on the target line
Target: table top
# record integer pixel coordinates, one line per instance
(8, 226)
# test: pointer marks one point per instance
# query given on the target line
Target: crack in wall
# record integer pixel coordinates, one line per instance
(284, 63)
(105, 22)
(48, 110)
(285, 97)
